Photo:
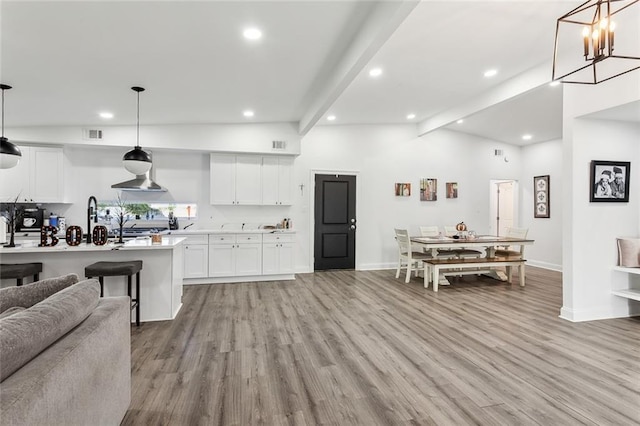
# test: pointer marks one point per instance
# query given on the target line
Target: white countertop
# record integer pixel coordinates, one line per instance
(168, 242)
(228, 231)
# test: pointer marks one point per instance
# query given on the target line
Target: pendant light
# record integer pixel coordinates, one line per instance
(10, 154)
(137, 161)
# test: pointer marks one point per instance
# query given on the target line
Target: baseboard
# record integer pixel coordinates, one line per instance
(544, 265)
(225, 280)
(603, 312)
(376, 266)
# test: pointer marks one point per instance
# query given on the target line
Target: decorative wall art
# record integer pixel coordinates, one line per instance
(541, 197)
(452, 189)
(428, 189)
(609, 181)
(403, 189)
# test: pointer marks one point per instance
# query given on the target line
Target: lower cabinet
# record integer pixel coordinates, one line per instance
(277, 254)
(196, 256)
(235, 255)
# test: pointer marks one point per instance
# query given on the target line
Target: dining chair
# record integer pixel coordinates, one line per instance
(433, 231)
(408, 257)
(510, 250)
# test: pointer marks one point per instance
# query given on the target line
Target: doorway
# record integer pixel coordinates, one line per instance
(504, 206)
(335, 222)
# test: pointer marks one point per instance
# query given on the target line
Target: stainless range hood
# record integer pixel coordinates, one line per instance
(145, 182)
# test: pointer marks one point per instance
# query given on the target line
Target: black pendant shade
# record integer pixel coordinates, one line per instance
(10, 154)
(137, 161)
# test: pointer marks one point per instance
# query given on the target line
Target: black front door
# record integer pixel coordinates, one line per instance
(335, 222)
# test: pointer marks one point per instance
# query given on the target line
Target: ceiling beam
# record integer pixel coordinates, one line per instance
(511, 88)
(383, 20)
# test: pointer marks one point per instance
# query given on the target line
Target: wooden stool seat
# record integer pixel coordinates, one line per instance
(113, 269)
(20, 270)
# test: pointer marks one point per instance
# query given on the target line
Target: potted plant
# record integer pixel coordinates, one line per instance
(13, 214)
(121, 218)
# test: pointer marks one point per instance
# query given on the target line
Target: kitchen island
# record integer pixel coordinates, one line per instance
(160, 278)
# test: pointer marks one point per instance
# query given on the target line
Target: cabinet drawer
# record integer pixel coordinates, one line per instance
(278, 238)
(222, 239)
(196, 239)
(248, 238)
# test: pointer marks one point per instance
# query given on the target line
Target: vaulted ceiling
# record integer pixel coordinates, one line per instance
(68, 61)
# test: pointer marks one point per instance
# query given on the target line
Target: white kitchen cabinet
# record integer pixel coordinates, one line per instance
(277, 254)
(276, 180)
(196, 256)
(233, 255)
(235, 179)
(38, 177)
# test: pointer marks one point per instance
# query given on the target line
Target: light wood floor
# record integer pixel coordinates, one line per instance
(362, 348)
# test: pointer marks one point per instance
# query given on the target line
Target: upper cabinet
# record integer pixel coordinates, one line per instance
(250, 180)
(38, 177)
(276, 180)
(235, 179)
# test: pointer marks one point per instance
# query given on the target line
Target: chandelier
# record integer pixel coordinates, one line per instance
(597, 41)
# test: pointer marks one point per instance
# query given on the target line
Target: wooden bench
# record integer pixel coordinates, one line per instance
(435, 269)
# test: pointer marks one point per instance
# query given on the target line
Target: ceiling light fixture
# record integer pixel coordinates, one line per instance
(375, 72)
(248, 113)
(137, 161)
(490, 73)
(252, 34)
(554, 83)
(10, 154)
(411, 116)
(584, 43)
(106, 115)
(460, 121)
(526, 137)
(331, 117)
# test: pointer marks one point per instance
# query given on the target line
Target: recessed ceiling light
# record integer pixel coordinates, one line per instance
(490, 73)
(460, 121)
(526, 137)
(106, 115)
(331, 117)
(411, 116)
(554, 83)
(375, 72)
(248, 113)
(252, 34)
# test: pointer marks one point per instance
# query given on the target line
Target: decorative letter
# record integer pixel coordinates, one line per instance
(47, 232)
(74, 235)
(100, 235)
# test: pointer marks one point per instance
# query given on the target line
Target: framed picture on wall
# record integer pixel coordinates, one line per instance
(609, 181)
(452, 189)
(428, 189)
(403, 189)
(541, 197)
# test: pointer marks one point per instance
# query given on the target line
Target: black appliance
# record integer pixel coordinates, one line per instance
(173, 222)
(32, 220)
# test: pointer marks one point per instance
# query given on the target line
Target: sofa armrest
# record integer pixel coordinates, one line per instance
(84, 378)
(28, 295)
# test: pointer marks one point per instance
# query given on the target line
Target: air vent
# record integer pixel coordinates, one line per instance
(280, 145)
(498, 153)
(92, 134)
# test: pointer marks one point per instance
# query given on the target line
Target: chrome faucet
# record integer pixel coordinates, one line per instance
(92, 212)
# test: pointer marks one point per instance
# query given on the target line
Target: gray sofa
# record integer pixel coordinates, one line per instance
(65, 354)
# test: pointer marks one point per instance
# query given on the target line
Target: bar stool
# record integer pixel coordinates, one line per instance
(20, 270)
(112, 269)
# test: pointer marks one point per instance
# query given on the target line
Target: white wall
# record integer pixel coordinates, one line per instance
(543, 159)
(383, 155)
(380, 156)
(590, 229)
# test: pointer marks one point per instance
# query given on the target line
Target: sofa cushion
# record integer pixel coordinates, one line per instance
(25, 334)
(11, 311)
(629, 252)
(30, 294)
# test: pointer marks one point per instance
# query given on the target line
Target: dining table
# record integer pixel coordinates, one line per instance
(489, 243)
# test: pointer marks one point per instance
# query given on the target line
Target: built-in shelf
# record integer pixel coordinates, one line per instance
(629, 293)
